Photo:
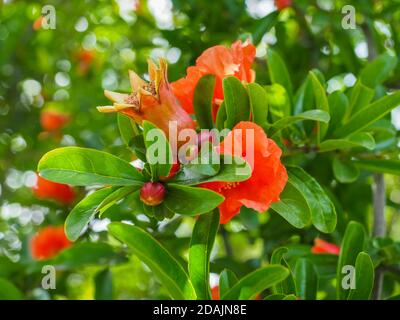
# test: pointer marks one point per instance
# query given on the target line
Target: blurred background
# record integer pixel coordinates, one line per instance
(51, 80)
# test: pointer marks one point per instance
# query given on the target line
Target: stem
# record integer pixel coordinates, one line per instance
(379, 226)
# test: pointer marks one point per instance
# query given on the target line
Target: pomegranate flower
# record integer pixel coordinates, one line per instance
(48, 242)
(53, 121)
(282, 4)
(152, 101)
(321, 246)
(46, 189)
(221, 62)
(268, 177)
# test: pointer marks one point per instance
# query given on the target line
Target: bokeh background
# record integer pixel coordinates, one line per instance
(91, 49)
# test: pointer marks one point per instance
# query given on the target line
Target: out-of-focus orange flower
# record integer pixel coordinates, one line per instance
(268, 177)
(282, 4)
(85, 59)
(46, 189)
(321, 246)
(215, 293)
(52, 120)
(37, 24)
(221, 62)
(48, 242)
(153, 101)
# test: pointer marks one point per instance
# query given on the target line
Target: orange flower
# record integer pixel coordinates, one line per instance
(85, 58)
(268, 177)
(221, 62)
(282, 4)
(52, 121)
(321, 246)
(48, 242)
(215, 293)
(153, 101)
(46, 189)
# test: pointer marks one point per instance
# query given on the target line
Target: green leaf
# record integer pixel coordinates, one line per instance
(84, 212)
(191, 201)
(204, 164)
(157, 258)
(314, 115)
(338, 104)
(258, 103)
(278, 71)
(203, 101)
(370, 114)
(377, 71)
(232, 169)
(364, 278)
(114, 197)
(279, 105)
(304, 98)
(321, 102)
(227, 280)
(360, 97)
(221, 117)
(379, 166)
(288, 285)
(323, 213)
(236, 101)
(85, 167)
(201, 244)
(127, 128)
(158, 150)
(293, 207)
(103, 285)
(306, 279)
(353, 243)
(85, 254)
(8, 291)
(264, 25)
(344, 171)
(255, 282)
(356, 140)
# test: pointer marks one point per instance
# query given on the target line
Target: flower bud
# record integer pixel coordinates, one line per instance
(152, 193)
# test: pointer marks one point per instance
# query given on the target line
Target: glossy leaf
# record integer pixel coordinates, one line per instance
(306, 279)
(360, 97)
(353, 243)
(314, 115)
(370, 114)
(103, 285)
(288, 285)
(236, 101)
(378, 70)
(85, 167)
(364, 281)
(158, 150)
(201, 244)
(379, 165)
(8, 291)
(323, 213)
(84, 212)
(191, 201)
(278, 71)
(344, 171)
(157, 258)
(203, 101)
(255, 282)
(227, 280)
(321, 102)
(127, 128)
(356, 140)
(258, 103)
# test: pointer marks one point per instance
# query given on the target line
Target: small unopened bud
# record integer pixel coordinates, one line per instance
(152, 193)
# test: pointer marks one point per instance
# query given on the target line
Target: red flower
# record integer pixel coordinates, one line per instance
(321, 246)
(221, 62)
(85, 58)
(282, 4)
(268, 177)
(52, 120)
(153, 101)
(48, 242)
(46, 189)
(215, 293)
